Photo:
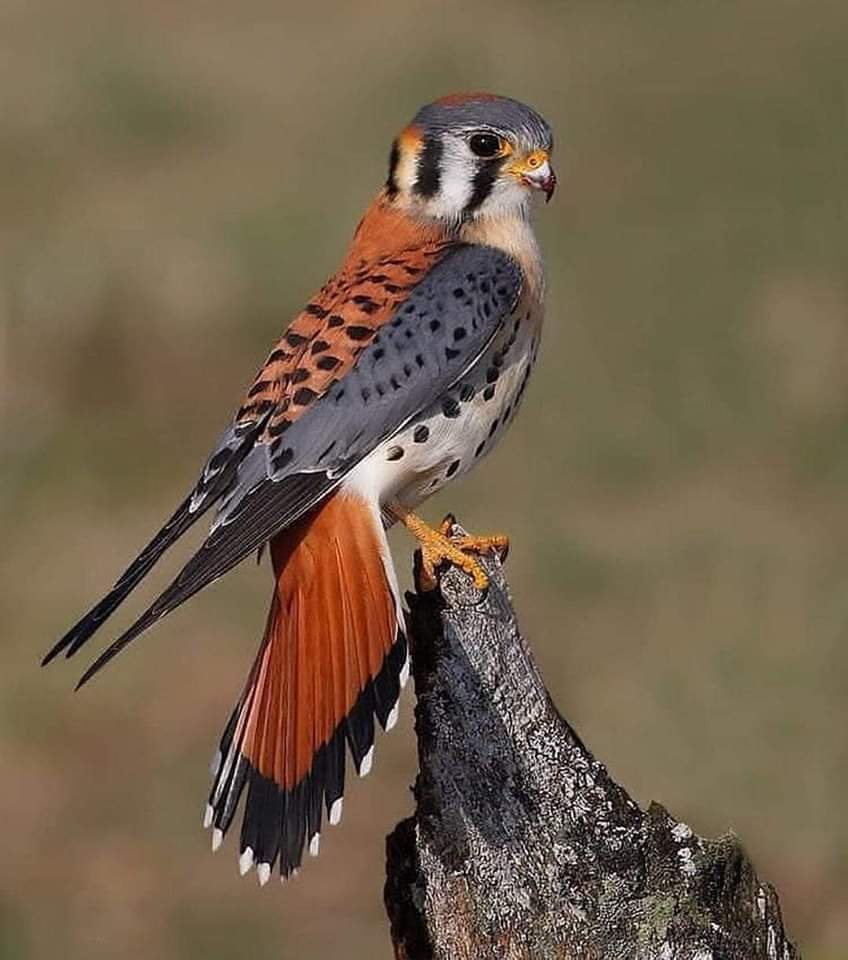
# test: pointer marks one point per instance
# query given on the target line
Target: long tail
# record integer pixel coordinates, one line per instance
(333, 657)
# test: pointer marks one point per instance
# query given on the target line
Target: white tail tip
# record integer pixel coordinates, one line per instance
(404, 673)
(208, 814)
(263, 872)
(246, 860)
(335, 816)
(314, 845)
(217, 839)
(392, 718)
(367, 760)
(215, 764)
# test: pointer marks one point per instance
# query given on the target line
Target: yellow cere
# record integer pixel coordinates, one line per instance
(530, 163)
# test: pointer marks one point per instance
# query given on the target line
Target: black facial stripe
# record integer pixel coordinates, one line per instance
(394, 159)
(482, 183)
(429, 175)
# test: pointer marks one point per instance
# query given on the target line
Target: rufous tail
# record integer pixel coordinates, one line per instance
(334, 657)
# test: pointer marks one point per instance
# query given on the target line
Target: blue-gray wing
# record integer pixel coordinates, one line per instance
(447, 322)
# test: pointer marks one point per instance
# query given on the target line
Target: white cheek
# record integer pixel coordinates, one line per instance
(457, 172)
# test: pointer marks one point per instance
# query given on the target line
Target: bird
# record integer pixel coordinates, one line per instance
(397, 377)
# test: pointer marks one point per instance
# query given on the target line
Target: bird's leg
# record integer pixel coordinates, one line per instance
(438, 547)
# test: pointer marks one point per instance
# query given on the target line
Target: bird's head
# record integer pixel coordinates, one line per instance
(471, 156)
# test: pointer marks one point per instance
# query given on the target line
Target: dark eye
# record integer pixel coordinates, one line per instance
(485, 144)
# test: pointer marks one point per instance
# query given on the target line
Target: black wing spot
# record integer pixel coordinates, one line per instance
(299, 375)
(453, 468)
(394, 453)
(316, 310)
(421, 434)
(460, 334)
(319, 346)
(488, 393)
(284, 457)
(366, 304)
(335, 321)
(328, 363)
(435, 325)
(295, 339)
(258, 387)
(359, 333)
(304, 396)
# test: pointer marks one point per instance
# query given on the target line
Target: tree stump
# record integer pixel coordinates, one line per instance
(521, 845)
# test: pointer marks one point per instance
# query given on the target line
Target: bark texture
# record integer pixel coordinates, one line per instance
(521, 845)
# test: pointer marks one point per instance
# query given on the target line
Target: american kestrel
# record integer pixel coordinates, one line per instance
(399, 375)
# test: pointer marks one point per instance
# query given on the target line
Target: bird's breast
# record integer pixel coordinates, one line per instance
(463, 425)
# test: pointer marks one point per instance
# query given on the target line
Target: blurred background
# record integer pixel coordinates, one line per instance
(176, 179)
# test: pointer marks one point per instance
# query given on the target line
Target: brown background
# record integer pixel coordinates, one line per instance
(176, 179)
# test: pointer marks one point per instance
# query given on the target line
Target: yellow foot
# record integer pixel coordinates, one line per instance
(438, 547)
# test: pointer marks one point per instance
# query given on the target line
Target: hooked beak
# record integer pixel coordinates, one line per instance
(537, 173)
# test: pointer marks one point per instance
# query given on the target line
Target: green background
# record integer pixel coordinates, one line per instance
(176, 179)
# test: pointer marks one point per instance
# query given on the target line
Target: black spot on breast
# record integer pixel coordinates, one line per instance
(459, 334)
(450, 353)
(421, 434)
(434, 326)
(450, 408)
(453, 468)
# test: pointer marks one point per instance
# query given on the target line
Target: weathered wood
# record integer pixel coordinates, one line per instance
(521, 845)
